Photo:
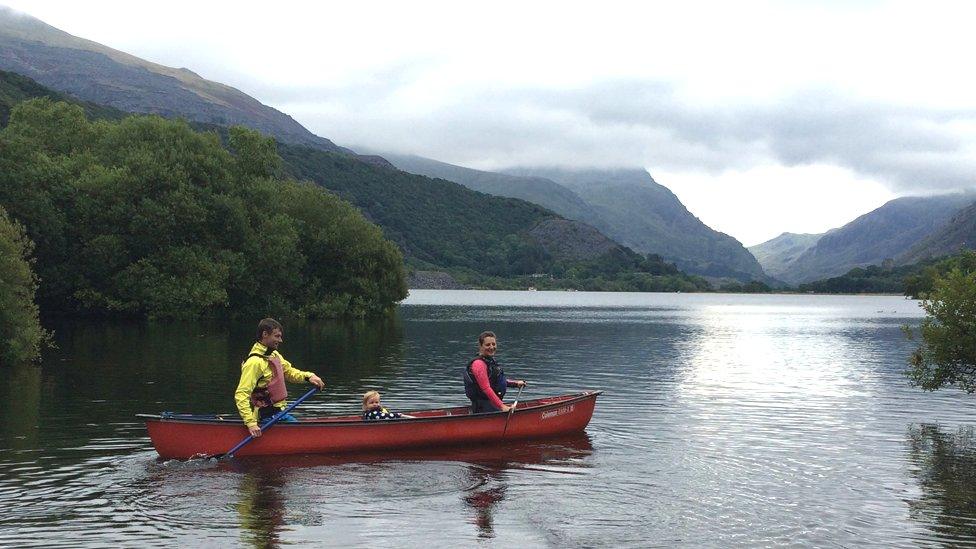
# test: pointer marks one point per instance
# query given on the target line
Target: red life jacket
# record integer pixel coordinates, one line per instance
(276, 391)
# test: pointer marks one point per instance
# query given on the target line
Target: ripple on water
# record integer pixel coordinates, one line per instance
(725, 421)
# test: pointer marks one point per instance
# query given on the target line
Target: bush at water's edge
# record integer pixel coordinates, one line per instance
(19, 323)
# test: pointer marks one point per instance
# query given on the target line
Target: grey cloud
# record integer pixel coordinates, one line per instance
(909, 149)
(363, 89)
(630, 123)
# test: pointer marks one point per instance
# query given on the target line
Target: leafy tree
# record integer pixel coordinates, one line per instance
(19, 322)
(146, 217)
(947, 354)
(256, 155)
(918, 284)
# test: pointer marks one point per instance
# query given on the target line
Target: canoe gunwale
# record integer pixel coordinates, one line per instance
(338, 421)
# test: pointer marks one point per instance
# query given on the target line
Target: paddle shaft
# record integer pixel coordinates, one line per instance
(512, 409)
(274, 419)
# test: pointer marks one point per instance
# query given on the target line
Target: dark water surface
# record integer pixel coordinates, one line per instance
(726, 421)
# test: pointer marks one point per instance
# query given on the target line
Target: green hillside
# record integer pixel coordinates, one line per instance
(536, 190)
(482, 239)
(436, 222)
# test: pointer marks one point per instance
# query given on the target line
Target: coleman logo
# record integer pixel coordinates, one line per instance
(558, 411)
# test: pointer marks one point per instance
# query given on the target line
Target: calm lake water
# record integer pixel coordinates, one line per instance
(727, 420)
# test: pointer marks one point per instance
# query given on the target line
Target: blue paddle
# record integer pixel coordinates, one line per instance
(274, 419)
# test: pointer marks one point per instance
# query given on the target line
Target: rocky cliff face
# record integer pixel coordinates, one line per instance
(885, 233)
(93, 72)
(567, 239)
(433, 280)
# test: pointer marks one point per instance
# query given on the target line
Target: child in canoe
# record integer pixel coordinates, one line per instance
(373, 410)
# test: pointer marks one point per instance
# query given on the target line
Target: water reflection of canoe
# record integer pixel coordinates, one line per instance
(523, 454)
(183, 436)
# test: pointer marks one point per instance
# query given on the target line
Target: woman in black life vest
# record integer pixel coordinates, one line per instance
(484, 379)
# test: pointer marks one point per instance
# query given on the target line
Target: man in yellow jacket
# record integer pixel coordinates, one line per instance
(262, 392)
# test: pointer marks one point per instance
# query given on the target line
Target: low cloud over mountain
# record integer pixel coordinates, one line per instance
(913, 149)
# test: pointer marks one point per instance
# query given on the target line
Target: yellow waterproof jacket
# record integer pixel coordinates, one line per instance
(256, 372)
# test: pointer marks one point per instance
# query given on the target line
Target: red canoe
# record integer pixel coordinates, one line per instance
(179, 436)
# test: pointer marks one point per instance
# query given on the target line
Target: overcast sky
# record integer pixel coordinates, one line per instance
(763, 117)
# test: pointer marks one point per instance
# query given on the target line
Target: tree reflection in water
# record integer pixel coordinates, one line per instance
(945, 466)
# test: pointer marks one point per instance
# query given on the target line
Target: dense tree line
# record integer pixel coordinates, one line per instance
(913, 280)
(751, 287)
(145, 217)
(620, 270)
(862, 280)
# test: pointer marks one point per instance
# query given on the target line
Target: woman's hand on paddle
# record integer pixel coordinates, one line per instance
(254, 430)
(506, 407)
(519, 383)
(317, 381)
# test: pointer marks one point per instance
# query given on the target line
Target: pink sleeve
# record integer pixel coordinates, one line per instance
(480, 371)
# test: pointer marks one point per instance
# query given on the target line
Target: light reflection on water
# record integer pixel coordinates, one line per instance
(727, 420)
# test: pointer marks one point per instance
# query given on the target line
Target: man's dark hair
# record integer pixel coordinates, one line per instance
(483, 335)
(267, 325)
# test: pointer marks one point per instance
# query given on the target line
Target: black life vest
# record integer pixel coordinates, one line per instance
(496, 378)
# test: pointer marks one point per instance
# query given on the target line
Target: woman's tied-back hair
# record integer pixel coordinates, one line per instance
(369, 395)
(483, 335)
(267, 325)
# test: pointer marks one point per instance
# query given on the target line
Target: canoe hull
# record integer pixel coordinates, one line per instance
(183, 437)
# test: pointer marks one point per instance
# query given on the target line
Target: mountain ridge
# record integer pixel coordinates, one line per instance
(93, 72)
(538, 190)
(541, 187)
(777, 254)
(883, 233)
(646, 216)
